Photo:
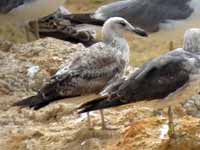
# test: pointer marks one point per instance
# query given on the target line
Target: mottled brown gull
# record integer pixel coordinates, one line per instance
(163, 78)
(54, 25)
(91, 69)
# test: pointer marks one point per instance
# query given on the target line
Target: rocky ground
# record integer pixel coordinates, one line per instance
(25, 67)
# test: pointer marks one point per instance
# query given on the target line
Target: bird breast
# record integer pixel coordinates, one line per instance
(122, 49)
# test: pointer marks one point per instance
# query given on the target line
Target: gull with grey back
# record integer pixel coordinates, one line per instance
(147, 14)
(22, 11)
(91, 69)
(161, 78)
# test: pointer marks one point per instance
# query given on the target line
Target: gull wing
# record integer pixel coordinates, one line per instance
(155, 83)
(88, 72)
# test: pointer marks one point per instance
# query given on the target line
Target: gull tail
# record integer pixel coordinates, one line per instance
(36, 102)
(100, 103)
(84, 18)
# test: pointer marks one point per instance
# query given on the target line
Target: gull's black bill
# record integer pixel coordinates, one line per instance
(140, 32)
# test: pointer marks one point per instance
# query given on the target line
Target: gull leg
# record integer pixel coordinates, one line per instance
(103, 125)
(171, 131)
(89, 121)
(102, 119)
(36, 29)
(27, 32)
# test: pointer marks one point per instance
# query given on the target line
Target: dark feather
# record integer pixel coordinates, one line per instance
(54, 25)
(49, 93)
(35, 102)
(83, 18)
(100, 103)
(156, 84)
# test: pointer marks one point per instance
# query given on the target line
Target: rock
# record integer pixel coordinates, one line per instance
(91, 144)
(192, 106)
(26, 67)
(5, 45)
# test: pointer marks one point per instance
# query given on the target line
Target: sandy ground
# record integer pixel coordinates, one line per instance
(59, 127)
(25, 67)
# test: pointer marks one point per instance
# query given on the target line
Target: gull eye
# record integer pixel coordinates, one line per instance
(122, 24)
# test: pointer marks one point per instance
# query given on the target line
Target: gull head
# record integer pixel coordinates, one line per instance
(192, 40)
(116, 26)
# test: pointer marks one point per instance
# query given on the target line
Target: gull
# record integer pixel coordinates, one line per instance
(147, 14)
(22, 11)
(91, 69)
(161, 78)
(54, 25)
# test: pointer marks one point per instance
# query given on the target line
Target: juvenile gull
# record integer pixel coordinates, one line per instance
(22, 11)
(147, 14)
(91, 69)
(55, 25)
(161, 78)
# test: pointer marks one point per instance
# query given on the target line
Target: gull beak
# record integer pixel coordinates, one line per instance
(138, 31)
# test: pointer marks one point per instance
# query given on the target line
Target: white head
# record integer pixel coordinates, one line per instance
(192, 40)
(115, 27)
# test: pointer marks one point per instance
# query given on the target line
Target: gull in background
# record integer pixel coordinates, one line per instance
(147, 14)
(54, 25)
(91, 69)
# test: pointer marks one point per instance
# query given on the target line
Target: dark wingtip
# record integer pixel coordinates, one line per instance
(91, 105)
(35, 102)
(101, 103)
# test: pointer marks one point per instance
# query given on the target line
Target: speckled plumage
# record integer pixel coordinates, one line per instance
(158, 78)
(91, 69)
(55, 25)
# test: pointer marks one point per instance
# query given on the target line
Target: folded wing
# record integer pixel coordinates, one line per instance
(88, 72)
(155, 83)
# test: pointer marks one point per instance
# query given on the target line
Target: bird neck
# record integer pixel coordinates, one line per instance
(109, 34)
(121, 48)
(117, 41)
